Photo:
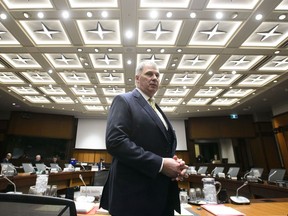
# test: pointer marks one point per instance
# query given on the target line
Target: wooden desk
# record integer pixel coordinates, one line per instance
(63, 180)
(263, 207)
(251, 191)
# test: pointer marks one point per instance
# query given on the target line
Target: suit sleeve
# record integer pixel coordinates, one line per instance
(120, 129)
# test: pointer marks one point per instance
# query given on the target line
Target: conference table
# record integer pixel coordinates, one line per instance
(63, 180)
(257, 207)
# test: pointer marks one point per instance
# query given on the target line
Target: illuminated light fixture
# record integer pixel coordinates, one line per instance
(110, 49)
(96, 50)
(26, 15)
(258, 16)
(162, 50)
(179, 50)
(86, 64)
(234, 72)
(173, 65)
(40, 15)
(129, 62)
(277, 52)
(219, 15)
(193, 15)
(169, 14)
(104, 14)
(65, 14)
(50, 71)
(282, 17)
(3, 16)
(89, 14)
(153, 14)
(79, 49)
(210, 72)
(129, 34)
(148, 50)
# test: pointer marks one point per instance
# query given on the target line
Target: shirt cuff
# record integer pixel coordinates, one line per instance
(161, 165)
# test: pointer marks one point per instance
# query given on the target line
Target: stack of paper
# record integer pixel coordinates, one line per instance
(222, 210)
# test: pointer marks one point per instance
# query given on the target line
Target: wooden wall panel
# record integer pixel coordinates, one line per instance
(42, 125)
(220, 127)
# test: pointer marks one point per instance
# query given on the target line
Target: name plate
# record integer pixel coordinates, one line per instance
(91, 190)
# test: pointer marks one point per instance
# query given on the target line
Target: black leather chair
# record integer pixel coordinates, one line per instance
(32, 205)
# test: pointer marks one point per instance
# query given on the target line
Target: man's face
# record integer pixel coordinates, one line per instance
(148, 80)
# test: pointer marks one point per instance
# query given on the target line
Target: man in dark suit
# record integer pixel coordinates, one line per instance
(144, 172)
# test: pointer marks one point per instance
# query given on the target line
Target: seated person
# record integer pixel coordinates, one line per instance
(7, 158)
(38, 159)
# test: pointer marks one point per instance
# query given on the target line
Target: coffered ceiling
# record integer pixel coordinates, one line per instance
(73, 56)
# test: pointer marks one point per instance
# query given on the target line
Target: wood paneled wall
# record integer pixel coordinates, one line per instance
(220, 127)
(42, 125)
(93, 156)
(280, 126)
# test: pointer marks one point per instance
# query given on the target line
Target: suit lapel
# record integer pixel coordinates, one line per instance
(152, 113)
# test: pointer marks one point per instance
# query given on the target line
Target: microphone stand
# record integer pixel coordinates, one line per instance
(14, 186)
(271, 175)
(86, 198)
(240, 199)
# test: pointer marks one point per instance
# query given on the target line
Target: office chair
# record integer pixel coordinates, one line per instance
(32, 205)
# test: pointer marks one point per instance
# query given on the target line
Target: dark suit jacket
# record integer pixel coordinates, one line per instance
(137, 140)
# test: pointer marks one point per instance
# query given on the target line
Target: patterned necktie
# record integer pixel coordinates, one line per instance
(152, 103)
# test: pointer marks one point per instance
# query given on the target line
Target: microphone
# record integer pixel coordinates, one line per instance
(247, 174)
(85, 198)
(14, 186)
(275, 171)
(212, 172)
(240, 199)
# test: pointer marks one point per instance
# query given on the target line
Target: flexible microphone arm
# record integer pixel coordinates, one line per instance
(5, 177)
(245, 183)
(212, 172)
(247, 174)
(81, 178)
(271, 175)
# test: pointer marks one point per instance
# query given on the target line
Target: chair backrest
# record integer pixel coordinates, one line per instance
(233, 171)
(100, 177)
(32, 205)
(276, 175)
(28, 168)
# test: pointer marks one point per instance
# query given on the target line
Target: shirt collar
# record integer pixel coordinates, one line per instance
(143, 94)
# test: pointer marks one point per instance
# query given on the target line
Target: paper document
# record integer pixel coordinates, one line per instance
(222, 210)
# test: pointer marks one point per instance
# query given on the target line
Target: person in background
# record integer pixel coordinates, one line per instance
(7, 158)
(143, 176)
(38, 159)
(100, 164)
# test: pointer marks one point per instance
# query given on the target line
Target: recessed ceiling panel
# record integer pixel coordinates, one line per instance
(160, 59)
(222, 79)
(83, 90)
(10, 78)
(94, 108)
(107, 61)
(208, 92)
(24, 90)
(100, 31)
(162, 32)
(39, 77)
(37, 99)
(238, 92)
(177, 92)
(113, 91)
(196, 62)
(6, 38)
(278, 63)
(268, 34)
(185, 79)
(74, 78)
(27, 4)
(240, 62)
(213, 33)
(164, 3)
(62, 100)
(21, 60)
(93, 4)
(232, 4)
(46, 32)
(225, 101)
(64, 61)
(257, 80)
(198, 101)
(111, 78)
(89, 100)
(52, 90)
